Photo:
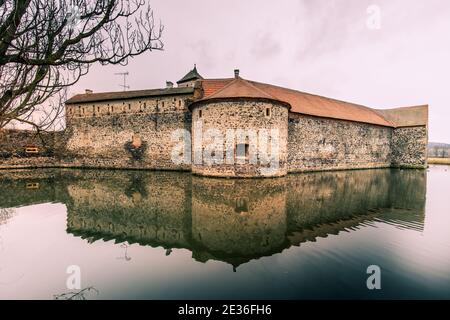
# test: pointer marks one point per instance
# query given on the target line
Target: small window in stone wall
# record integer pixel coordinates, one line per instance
(199, 114)
(242, 150)
(241, 205)
(179, 103)
(268, 112)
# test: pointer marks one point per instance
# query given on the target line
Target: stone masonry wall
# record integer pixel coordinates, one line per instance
(137, 133)
(327, 144)
(127, 134)
(409, 147)
(13, 142)
(245, 115)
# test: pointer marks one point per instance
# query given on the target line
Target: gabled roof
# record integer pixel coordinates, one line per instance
(306, 103)
(119, 95)
(191, 75)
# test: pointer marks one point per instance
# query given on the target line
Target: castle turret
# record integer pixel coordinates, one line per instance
(189, 79)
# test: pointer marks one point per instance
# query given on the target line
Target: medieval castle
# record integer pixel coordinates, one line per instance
(135, 129)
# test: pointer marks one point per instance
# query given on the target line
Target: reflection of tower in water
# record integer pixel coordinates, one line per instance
(237, 220)
(231, 220)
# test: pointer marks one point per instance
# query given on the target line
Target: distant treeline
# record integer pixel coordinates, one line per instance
(438, 150)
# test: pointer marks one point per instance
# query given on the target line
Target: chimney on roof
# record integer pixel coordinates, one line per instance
(88, 91)
(236, 73)
(169, 84)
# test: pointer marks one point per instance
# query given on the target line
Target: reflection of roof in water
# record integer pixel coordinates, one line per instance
(173, 210)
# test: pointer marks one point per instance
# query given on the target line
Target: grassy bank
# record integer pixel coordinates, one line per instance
(439, 161)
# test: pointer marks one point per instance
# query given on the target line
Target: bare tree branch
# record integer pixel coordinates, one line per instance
(48, 45)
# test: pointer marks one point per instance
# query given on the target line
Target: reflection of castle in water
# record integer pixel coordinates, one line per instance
(230, 220)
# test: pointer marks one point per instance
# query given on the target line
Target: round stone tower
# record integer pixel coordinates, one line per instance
(239, 131)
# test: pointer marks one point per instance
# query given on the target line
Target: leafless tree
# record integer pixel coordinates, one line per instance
(5, 215)
(76, 295)
(48, 45)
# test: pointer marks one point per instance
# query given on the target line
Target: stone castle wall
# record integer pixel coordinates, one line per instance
(327, 144)
(410, 147)
(244, 115)
(136, 133)
(13, 142)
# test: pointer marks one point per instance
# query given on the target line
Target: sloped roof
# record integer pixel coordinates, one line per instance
(119, 95)
(240, 88)
(306, 103)
(191, 75)
(407, 116)
(210, 86)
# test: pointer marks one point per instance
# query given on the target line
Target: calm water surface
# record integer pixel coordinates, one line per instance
(165, 235)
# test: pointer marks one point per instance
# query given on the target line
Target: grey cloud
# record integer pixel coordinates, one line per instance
(265, 46)
(320, 46)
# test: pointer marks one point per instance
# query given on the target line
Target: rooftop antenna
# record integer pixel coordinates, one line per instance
(124, 85)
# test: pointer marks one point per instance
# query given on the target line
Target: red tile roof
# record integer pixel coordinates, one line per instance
(301, 102)
(212, 85)
(240, 88)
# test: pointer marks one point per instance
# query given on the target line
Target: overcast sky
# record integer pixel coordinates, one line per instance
(321, 46)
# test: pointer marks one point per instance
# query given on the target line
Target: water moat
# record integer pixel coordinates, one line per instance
(163, 235)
